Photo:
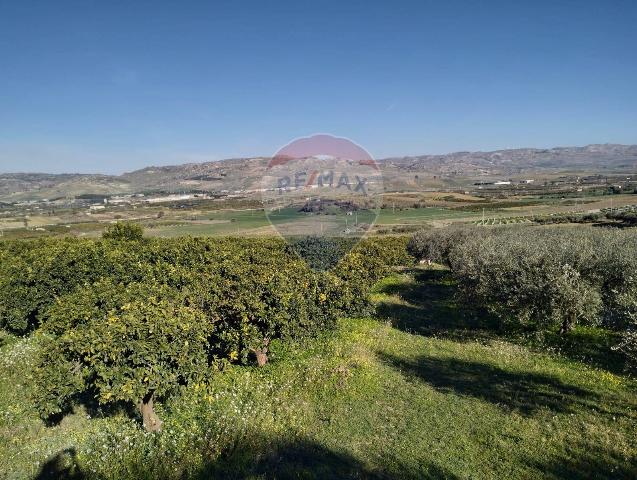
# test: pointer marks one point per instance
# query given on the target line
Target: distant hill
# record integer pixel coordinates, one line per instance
(399, 172)
(510, 162)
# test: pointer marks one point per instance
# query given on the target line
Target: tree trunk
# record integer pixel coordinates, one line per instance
(567, 323)
(151, 421)
(262, 353)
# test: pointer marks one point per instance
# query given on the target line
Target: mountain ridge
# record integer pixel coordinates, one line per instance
(244, 174)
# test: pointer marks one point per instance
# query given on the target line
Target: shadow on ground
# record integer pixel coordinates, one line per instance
(61, 466)
(524, 392)
(305, 459)
(429, 305)
(589, 345)
(263, 459)
(87, 403)
(586, 462)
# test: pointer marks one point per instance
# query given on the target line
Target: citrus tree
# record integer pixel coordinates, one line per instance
(135, 353)
(124, 231)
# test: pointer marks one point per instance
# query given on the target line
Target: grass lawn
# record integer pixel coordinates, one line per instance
(418, 392)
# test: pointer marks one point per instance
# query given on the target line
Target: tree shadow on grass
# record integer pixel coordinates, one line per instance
(306, 459)
(63, 465)
(429, 306)
(86, 402)
(260, 458)
(585, 461)
(525, 392)
(588, 345)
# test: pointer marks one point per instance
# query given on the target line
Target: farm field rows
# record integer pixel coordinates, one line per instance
(213, 219)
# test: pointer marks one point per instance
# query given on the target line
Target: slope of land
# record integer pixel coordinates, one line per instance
(415, 393)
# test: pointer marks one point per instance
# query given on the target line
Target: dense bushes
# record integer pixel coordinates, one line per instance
(434, 245)
(628, 346)
(541, 280)
(367, 262)
(321, 253)
(627, 217)
(128, 320)
(547, 278)
(144, 348)
(124, 231)
(33, 274)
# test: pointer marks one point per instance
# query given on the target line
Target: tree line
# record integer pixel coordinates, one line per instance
(543, 278)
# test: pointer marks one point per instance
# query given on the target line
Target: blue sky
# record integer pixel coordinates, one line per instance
(112, 86)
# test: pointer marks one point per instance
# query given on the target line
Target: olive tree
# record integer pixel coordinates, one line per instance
(628, 346)
(545, 282)
(434, 245)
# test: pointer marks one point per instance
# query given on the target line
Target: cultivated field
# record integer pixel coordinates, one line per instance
(400, 213)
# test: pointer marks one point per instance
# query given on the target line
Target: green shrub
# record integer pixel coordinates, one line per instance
(356, 273)
(532, 273)
(391, 251)
(434, 245)
(94, 301)
(628, 346)
(124, 231)
(34, 273)
(544, 278)
(135, 353)
(253, 298)
(320, 253)
(545, 282)
(617, 266)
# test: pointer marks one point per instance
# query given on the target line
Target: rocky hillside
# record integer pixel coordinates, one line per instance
(245, 173)
(511, 162)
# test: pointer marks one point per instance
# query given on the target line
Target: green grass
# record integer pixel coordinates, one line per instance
(229, 222)
(423, 391)
(236, 222)
(419, 215)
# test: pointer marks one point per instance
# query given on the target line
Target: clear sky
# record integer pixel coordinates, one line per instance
(112, 86)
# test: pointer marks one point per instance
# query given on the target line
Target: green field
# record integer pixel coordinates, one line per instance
(222, 222)
(419, 391)
(420, 215)
(246, 217)
(255, 222)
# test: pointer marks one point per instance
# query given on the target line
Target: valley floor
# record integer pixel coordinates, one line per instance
(415, 393)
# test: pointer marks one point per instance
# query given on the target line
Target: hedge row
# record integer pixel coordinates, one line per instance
(129, 319)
